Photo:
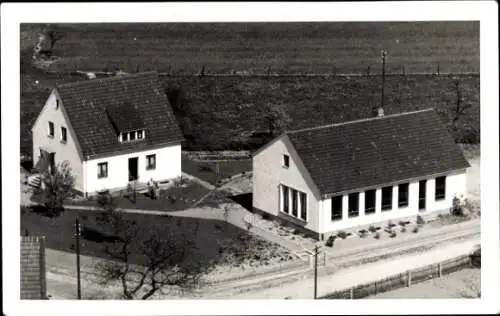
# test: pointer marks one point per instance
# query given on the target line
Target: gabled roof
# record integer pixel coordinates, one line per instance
(128, 101)
(374, 151)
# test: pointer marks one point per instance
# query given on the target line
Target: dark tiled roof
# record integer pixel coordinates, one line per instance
(374, 151)
(125, 117)
(140, 94)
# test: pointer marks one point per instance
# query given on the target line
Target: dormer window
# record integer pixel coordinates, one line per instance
(132, 136)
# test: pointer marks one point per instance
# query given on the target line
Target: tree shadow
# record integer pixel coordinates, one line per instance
(91, 234)
(244, 199)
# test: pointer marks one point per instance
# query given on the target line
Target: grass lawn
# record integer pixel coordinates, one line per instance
(183, 197)
(212, 241)
(206, 170)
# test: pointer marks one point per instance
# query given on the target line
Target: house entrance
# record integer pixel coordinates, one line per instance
(47, 161)
(421, 194)
(133, 170)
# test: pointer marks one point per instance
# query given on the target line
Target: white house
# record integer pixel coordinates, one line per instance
(353, 174)
(112, 131)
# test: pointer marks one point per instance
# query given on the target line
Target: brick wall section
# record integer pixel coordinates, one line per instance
(33, 279)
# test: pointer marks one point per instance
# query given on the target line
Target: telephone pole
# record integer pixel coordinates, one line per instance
(315, 254)
(384, 55)
(78, 232)
(316, 272)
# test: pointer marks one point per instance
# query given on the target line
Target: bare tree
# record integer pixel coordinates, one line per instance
(54, 35)
(161, 254)
(276, 116)
(460, 106)
(56, 186)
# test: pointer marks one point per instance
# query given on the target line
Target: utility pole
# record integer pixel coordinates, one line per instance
(316, 272)
(384, 55)
(78, 231)
(315, 254)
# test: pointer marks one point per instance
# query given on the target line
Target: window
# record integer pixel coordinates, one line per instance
(139, 135)
(124, 137)
(403, 195)
(386, 198)
(295, 203)
(64, 136)
(286, 206)
(57, 104)
(286, 161)
(354, 204)
(150, 162)
(337, 208)
(132, 135)
(298, 200)
(370, 199)
(440, 188)
(102, 169)
(51, 129)
(303, 206)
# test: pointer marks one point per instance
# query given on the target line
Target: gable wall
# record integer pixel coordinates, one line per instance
(268, 174)
(64, 151)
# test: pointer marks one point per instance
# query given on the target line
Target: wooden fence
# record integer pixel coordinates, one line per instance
(405, 279)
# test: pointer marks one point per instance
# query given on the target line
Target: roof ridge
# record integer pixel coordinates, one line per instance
(357, 121)
(126, 76)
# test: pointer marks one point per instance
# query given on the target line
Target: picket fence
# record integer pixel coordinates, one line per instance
(405, 279)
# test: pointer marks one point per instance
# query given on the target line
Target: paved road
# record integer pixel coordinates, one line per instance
(349, 277)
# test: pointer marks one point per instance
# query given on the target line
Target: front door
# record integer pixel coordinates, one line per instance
(133, 170)
(52, 163)
(421, 194)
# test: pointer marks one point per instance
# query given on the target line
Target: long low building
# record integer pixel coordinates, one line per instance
(341, 176)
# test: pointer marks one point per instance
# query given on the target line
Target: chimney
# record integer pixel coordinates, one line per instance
(380, 112)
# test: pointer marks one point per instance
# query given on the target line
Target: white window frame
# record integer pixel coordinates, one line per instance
(99, 169)
(443, 197)
(148, 166)
(407, 184)
(64, 134)
(285, 162)
(290, 203)
(51, 129)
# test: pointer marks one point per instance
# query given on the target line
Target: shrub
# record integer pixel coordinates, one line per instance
(330, 241)
(342, 234)
(403, 229)
(363, 233)
(266, 216)
(392, 234)
(415, 230)
(372, 229)
(461, 206)
(377, 235)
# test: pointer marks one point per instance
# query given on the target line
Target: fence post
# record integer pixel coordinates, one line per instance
(409, 277)
(351, 293)
(440, 269)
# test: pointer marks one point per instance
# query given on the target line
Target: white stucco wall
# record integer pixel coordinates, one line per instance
(64, 151)
(455, 184)
(268, 174)
(168, 166)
